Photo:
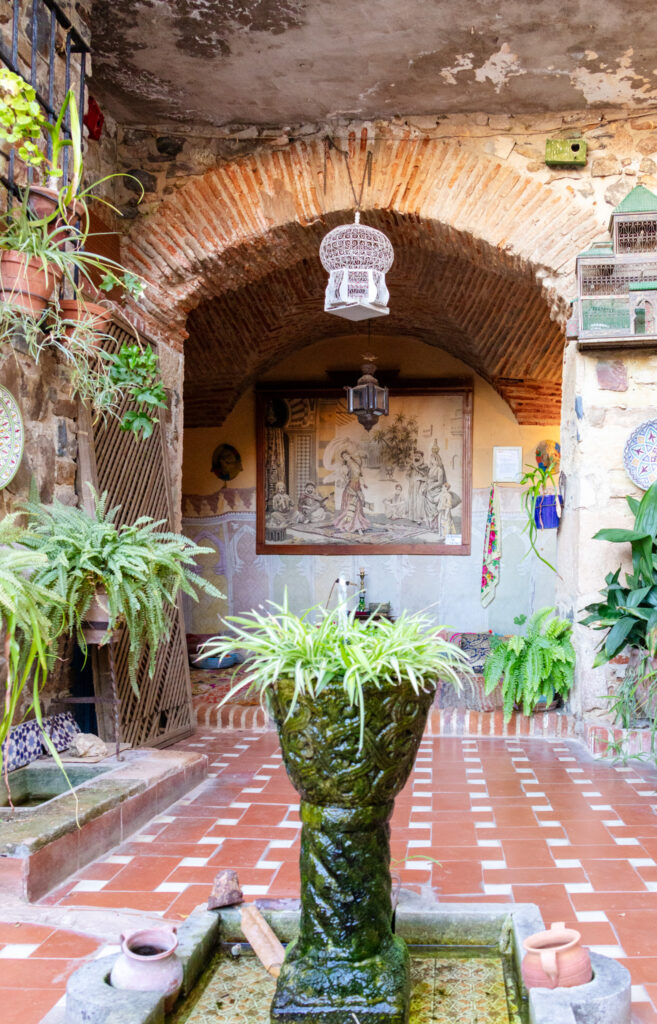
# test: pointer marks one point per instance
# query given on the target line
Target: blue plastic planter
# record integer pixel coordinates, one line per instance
(545, 511)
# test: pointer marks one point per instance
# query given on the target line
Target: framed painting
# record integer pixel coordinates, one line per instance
(326, 486)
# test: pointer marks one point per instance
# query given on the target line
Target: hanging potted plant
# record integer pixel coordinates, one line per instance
(30, 267)
(350, 700)
(125, 576)
(542, 503)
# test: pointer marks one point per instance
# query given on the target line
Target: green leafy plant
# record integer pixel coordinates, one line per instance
(135, 371)
(21, 120)
(27, 610)
(140, 567)
(534, 666)
(536, 481)
(318, 647)
(628, 611)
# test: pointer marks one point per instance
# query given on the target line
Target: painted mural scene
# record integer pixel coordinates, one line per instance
(328, 513)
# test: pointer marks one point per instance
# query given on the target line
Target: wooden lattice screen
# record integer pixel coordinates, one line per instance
(134, 473)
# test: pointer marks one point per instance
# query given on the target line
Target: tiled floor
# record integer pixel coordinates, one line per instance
(35, 963)
(480, 819)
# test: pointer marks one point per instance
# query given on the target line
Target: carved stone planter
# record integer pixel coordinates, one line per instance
(346, 959)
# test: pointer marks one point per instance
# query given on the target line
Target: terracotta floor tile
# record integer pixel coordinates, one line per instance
(644, 1013)
(612, 876)
(553, 901)
(27, 1006)
(528, 853)
(35, 973)
(21, 932)
(636, 931)
(642, 968)
(69, 945)
(597, 933)
(142, 874)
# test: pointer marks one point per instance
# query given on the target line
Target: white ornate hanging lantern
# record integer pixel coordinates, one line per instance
(357, 259)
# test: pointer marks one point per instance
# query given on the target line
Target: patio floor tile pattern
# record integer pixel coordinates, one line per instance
(35, 963)
(481, 819)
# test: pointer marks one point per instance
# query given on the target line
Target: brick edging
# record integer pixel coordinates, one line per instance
(441, 722)
(624, 742)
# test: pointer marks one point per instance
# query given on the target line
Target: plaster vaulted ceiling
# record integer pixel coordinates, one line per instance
(283, 62)
(445, 289)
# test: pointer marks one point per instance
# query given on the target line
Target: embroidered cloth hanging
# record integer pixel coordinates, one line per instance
(490, 570)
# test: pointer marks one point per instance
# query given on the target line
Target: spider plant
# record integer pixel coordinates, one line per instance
(27, 609)
(140, 567)
(320, 647)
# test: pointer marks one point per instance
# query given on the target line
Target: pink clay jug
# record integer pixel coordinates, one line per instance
(556, 959)
(148, 963)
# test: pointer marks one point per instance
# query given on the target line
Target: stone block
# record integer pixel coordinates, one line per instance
(197, 938)
(605, 166)
(90, 999)
(611, 374)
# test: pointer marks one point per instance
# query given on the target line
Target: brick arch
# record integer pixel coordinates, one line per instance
(235, 224)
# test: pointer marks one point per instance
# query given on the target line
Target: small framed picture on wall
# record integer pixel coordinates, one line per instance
(507, 464)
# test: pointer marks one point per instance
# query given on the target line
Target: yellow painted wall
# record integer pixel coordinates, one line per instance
(493, 421)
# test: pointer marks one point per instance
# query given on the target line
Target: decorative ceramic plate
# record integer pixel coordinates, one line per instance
(640, 455)
(11, 437)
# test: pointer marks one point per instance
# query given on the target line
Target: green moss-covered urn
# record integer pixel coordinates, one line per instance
(346, 959)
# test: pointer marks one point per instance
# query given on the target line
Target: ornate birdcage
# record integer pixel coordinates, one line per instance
(617, 279)
(357, 259)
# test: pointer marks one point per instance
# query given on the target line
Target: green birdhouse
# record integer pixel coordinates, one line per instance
(565, 152)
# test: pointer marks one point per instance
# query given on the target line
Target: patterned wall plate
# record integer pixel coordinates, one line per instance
(640, 455)
(11, 437)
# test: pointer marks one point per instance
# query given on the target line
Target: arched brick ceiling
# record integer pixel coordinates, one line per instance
(446, 288)
(248, 217)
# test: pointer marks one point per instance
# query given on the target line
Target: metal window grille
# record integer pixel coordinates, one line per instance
(31, 41)
(636, 236)
(614, 278)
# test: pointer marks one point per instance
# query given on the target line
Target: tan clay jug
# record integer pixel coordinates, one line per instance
(556, 959)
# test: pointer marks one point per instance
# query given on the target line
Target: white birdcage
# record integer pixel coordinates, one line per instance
(357, 259)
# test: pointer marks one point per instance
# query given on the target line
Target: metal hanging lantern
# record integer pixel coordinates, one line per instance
(357, 259)
(367, 400)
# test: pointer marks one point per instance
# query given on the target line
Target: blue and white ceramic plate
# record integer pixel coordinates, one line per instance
(11, 437)
(640, 455)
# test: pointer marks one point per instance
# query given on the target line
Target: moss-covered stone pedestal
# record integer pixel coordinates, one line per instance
(346, 959)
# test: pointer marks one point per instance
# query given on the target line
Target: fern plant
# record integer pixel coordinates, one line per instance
(534, 666)
(319, 647)
(141, 568)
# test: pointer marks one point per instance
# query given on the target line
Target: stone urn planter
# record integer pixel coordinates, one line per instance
(346, 959)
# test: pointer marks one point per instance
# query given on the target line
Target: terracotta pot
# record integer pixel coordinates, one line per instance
(43, 203)
(98, 318)
(24, 282)
(148, 963)
(556, 959)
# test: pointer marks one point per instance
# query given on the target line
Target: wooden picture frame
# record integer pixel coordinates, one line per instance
(325, 486)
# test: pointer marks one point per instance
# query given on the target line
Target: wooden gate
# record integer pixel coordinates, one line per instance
(134, 473)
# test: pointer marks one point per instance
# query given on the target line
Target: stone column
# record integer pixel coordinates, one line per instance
(346, 958)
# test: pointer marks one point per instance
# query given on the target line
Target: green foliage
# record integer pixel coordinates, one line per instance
(534, 666)
(319, 646)
(628, 612)
(136, 373)
(141, 568)
(536, 482)
(26, 614)
(21, 119)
